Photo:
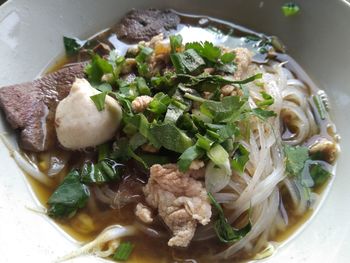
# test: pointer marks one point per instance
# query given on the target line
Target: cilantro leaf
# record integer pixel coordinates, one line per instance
(97, 68)
(240, 159)
(228, 57)
(206, 50)
(296, 157)
(319, 174)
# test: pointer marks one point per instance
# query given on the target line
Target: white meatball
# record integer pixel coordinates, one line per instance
(78, 122)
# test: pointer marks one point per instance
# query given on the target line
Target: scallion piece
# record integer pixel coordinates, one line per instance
(123, 251)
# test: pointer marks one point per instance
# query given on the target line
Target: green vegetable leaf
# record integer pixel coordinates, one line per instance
(97, 68)
(268, 100)
(228, 57)
(141, 58)
(159, 103)
(206, 50)
(123, 251)
(187, 62)
(218, 154)
(175, 43)
(263, 114)
(319, 174)
(240, 159)
(190, 154)
(142, 86)
(225, 232)
(73, 45)
(99, 100)
(290, 9)
(171, 137)
(223, 111)
(295, 157)
(70, 195)
(104, 171)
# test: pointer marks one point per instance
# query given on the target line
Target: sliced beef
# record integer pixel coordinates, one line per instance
(140, 25)
(30, 107)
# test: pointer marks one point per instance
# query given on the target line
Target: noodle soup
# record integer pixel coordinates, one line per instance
(220, 145)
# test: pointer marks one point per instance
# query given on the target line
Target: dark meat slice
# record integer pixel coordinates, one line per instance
(30, 107)
(140, 25)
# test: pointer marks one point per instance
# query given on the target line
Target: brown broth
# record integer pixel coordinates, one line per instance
(149, 249)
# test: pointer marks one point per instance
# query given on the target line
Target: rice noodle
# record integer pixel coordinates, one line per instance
(25, 165)
(109, 236)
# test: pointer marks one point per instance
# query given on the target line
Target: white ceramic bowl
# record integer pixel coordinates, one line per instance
(31, 38)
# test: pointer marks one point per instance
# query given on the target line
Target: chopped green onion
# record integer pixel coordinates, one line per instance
(290, 9)
(123, 251)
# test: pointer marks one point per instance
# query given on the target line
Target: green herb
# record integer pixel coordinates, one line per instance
(175, 43)
(218, 154)
(187, 62)
(159, 103)
(190, 154)
(97, 68)
(124, 152)
(73, 45)
(142, 86)
(170, 137)
(295, 157)
(223, 111)
(141, 58)
(263, 114)
(123, 251)
(99, 100)
(225, 232)
(320, 106)
(240, 159)
(290, 9)
(268, 100)
(228, 57)
(173, 113)
(70, 196)
(104, 171)
(319, 174)
(104, 87)
(103, 151)
(206, 50)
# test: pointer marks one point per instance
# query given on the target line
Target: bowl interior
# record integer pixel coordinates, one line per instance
(31, 38)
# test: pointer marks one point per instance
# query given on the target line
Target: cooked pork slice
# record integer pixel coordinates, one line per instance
(143, 213)
(180, 199)
(140, 25)
(30, 107)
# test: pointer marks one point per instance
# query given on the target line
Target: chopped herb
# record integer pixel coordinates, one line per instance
(73, 45)
(70, 196)
(190, 154)
(206, 50)
(142, 86)
(123, 251)
(175, 43)
(290, 9)
(171, 137)
(268, 100)
(296, 157)
(225, 232)
(319, 174)
(96, 69)
(159, 103)
(99, 100)
(187, 62)
(240, 159)
(263, 114)
(228, 57)
(141, 58)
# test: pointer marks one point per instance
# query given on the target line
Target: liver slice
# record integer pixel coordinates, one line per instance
(30, 107)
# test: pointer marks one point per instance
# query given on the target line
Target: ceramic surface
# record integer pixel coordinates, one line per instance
(31, 38)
